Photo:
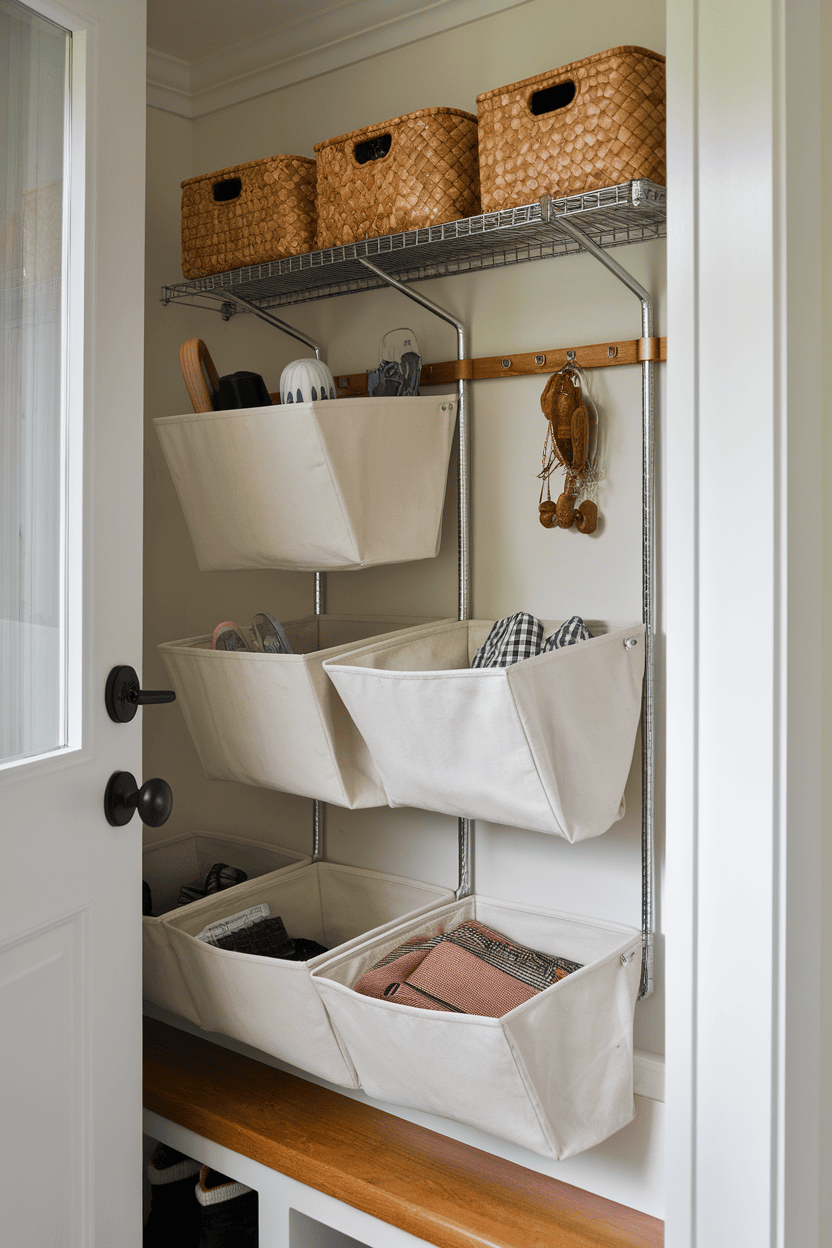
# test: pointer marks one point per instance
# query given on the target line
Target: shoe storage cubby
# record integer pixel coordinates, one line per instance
(186, 859)
(313, 486)
(390, 712)
(272, 1003)
(277, 720)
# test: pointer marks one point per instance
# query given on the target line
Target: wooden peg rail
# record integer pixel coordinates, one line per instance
(527, 364)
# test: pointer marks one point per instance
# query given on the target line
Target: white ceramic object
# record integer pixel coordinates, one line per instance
(306, 381)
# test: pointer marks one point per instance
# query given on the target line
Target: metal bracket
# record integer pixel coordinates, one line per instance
(465, 885)
(271, 319)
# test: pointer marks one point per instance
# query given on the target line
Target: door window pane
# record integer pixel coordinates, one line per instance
(34, 56)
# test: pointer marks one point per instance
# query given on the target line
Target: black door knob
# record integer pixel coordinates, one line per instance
(122, 695)
(154, 800)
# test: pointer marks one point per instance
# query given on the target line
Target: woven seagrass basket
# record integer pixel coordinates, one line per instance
(402, 174)
(248, 214)
(594, 123)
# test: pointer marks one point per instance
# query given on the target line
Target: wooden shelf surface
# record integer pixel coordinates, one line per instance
(443, 1191)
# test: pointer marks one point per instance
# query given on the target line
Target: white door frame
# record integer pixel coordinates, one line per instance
(744, 646)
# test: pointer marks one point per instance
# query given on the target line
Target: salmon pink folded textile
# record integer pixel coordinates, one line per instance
(470, 970)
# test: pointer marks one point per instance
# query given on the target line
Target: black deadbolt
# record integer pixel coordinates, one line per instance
(122, 695)
(154, 800)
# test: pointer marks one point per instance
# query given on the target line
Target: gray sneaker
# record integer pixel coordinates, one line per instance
(270, 635)
(227, 636)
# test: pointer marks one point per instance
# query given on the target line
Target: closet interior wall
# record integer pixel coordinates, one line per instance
(516, 564)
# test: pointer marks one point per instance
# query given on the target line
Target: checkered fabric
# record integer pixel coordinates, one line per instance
(510, 640)
(539, 970)
(520, 636)
(570, 632)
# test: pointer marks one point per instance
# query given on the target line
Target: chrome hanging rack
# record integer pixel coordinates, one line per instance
(592, 222)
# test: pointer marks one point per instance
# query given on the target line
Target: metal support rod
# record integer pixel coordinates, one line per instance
(320, 593)
(465, 848)
(271, 319)
(648, 561)
(465, 885)
(318, 807)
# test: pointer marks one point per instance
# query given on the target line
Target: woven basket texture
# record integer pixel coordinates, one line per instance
(429, 175)
(612, 131)
(273, 215)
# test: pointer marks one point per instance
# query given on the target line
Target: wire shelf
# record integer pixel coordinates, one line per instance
(613, 216)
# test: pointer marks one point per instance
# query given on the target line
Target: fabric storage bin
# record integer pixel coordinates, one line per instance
(555, 1074)
(545, 744)
(276, 720)
(271, 1003)
(412, 171)
(248, 214)
(187, 859)
(594, 123)
(313, 486)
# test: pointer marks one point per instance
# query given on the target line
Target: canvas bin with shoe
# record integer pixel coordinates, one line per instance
(271, 1003)
(169, 864)
(545, 744)
(276, 720)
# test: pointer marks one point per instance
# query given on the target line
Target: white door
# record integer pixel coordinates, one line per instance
(72, 116)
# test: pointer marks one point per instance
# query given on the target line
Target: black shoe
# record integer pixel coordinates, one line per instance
(228, 1211)
(174, 1220)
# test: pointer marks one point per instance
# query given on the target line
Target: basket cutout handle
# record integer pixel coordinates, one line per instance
(550, 99)
(227, 190)
(375, 148)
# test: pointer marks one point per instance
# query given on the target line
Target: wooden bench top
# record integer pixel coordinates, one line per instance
(446, 1192)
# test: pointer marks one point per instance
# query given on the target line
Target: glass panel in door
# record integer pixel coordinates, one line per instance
(34, 94)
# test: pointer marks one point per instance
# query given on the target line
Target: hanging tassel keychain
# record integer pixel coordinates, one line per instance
(571, 436)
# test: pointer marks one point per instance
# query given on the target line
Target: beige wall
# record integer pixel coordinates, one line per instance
(517, 565)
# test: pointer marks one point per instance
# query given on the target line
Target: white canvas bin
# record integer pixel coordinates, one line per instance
(271, 1003)
(545, 744)
(313, 486)
(276, 720)
(187, 859)
(554, 1075)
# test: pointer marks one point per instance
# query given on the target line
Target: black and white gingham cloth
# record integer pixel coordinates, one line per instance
(520, 637)
(510, 640)
(568, 634)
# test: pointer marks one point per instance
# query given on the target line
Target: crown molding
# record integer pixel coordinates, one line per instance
(308, 48)
(168, 83)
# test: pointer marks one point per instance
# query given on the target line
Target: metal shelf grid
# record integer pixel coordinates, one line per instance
(613, 216)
